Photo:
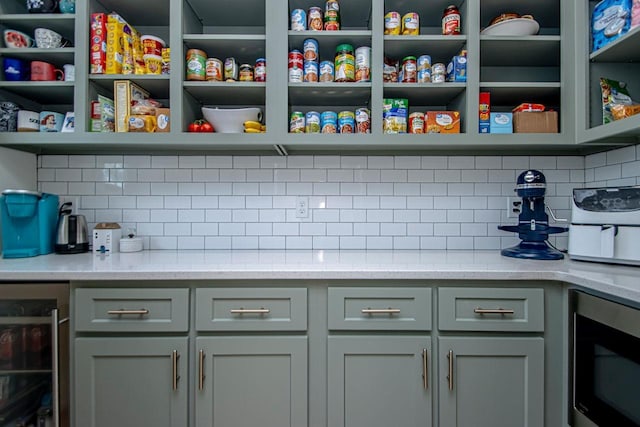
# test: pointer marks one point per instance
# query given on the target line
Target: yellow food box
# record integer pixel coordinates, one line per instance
(115, 43)
(125, 92)
(443, 122)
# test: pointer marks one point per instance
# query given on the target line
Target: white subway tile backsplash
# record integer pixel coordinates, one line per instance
(82, 188)
(459, 242)
(353, 242)
(119, 175)
(454, 189)
(271, 242)
(164, 188)
(340, 175)
(191, 215)
(300, 162)
(519, 163)
(150, 202)
(191, 162)
(393, 229)
(459, 215)
(138, 162)
(259, 229)
(501, 175)
(150, 175)
(364, 229)
(475, 175)
(68, 174)
(608, 172)
(109, 188)
(244, 215)
(178, 175)
(150, 229)
(177, 229)
(387, 175)
(271, 215)
(446, 202)
(52, 161)
(326, 242)
(377, 215)
(205, 229)
(433, 189)
(353, 162)
(353, 215)
(432, 215)
(110, 162)
(326, 215)
(298, 242)
(136, 215)
(159, 243)
(488, 162)
(191, 188)
(177, 202)
(448, 176)
(231, 229)
(217, 242)
(164, 215)
(136, 189)
(302, 188)
(108, 215)
(403, 215)
(380, 162)
(246, 162)
(366, 175)
(407, 162)
(461, 162)
(421, 176)
(219, 162)
(630, 169)
(242, 242)
(82, 161)
(432, 243)
(97, 175)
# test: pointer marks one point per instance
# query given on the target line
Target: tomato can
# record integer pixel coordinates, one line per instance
(315, 19)
(298, 20)
(310, 50)
(312, 122)
(416, 122)
(329, 122)
(245, 73)
(363, 120)
(196, 64)
(230, 69)
(310, 71)
(451, 21)
(345, 63)
(296, 122)
(214, 69)
(326, 71)
(363, 64)
(409, 70)
(410, 24)
(346, 122)
(392, 23)
(260, 70)
(296, 64)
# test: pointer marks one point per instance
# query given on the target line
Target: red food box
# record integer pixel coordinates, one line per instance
(484, 112)
(98, 43)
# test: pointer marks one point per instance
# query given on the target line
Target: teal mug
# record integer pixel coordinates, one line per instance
(67, 6)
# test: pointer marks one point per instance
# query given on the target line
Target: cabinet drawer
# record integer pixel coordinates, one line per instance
(132, 310)
(491, 309)
(251, 309)
(407, 309)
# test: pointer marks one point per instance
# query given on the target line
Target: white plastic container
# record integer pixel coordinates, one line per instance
(106, 237)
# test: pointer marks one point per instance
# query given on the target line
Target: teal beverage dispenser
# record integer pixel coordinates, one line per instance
(29, 221)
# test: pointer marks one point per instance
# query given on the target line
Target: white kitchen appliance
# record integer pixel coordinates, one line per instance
(106, 237)
(605, 225)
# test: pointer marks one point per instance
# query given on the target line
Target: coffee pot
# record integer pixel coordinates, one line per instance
(72, 236)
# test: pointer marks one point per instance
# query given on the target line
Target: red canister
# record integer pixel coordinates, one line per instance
(260, 70)
(296, 64)
(409, 71)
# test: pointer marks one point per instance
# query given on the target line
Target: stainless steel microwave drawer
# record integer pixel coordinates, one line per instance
(131, 310)
(491, 309)
(251, 309)
(370, 308)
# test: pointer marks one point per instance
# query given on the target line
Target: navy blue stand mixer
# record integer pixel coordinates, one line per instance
(533, 223)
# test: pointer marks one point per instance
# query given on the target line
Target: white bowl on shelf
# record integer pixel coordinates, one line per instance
(512, 27)
(230, 120)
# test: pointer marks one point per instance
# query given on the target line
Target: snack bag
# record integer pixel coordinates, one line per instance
(613, 93)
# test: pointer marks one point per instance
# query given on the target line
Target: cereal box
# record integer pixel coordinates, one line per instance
(107, 114)
(443, 122)
(115, 43)
(98, 43)
(125, 92)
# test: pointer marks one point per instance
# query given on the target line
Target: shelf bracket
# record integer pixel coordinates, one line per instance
(281, 150)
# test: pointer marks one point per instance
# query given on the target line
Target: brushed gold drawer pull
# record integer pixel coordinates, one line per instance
(450, 376)
(389, 310)
(425, 369)
(250, 310)
(174, 359)
(502, 311)
(201, 370)
(142, 312)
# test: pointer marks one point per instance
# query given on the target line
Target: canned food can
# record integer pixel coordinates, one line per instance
(331, 20)
(410, 24)
(260, 70)
(329, 122)
(424, 62)
(363, 120)
(332, 5)
(315, 19)
(438, 68)
(296, 122)
(416, 123)
(310, 50)
(245, 73)
(310, 71)
(363, 64)
(196, 64)
(326, 71)
(346, 122)
(424, 76)
(312, 122)
(214, 69)
(296, 66)
(298, 20)
(409, 70)
(392, 23)
(230, 69)
(438, 78)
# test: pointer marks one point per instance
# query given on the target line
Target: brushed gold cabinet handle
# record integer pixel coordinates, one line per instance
(425, 369)
(201, 370)
(250, 310)
(502, 311)
(450, 376)
(142, 311)
(389, 310)
(174, 359)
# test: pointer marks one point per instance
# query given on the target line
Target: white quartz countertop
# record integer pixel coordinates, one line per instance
(618, 281)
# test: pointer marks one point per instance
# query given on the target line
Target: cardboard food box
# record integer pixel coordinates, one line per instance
(484, 112)
(115, 43)
(98, 58)
(126, 92)
(443, 122)
(163, 120)
(535, 122)
(501, 123)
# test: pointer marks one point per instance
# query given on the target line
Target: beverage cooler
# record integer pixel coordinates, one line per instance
(34, 355)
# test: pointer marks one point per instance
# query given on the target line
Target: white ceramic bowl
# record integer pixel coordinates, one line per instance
(47, 39)
(230, 120)
(512, 27)
(17, 39)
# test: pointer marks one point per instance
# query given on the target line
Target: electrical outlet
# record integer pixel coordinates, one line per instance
(302, 207)
(513, 206)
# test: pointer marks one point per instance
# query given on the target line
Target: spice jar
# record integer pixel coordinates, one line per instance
(451, 21)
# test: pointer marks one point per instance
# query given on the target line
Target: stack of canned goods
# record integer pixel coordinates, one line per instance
(306, 66)
(331, 122)
(199, 67)
(415, 70)
(408, 25)
(315, 19)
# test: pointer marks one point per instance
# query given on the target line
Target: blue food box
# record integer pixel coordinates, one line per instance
(457, 69)
(610, 20)
(501, 123)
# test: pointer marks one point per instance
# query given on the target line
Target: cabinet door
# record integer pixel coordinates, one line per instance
(379, 381)
(130, 382)
(491, 382)
(251, 381)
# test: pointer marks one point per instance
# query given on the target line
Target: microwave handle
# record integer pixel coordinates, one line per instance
(55, 364)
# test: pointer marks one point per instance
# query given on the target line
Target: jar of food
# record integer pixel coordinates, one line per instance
(260, 70)
(392, 23)
(230, 69)
(451, 21)
(245, 73)
(196, 64)
(214, 69)
(409, 70)
(416, 122)
(345, 64)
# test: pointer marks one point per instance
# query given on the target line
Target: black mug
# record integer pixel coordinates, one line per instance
(42, 6)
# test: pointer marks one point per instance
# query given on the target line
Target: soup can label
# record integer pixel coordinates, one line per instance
(298, 20)
(438, 68)
(416, 123)
(363, 120)
(296, 63)
(424, 62)
(392, 23)
(331, 20)
(315, 19)
(363, 64)
(410, 24)
(312, 122)
(437, 78)
(246, 73)
(409, 70)
(310, 71)
(424, 76)
(326, 71)
(346, 122)
(310, 50)
(296, 122)
(329, 122)
(260, 70)
(214, 69)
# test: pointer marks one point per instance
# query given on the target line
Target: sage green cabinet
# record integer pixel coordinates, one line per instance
(251, 381)
(129, 382)
(379, 381)
(491, 381)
